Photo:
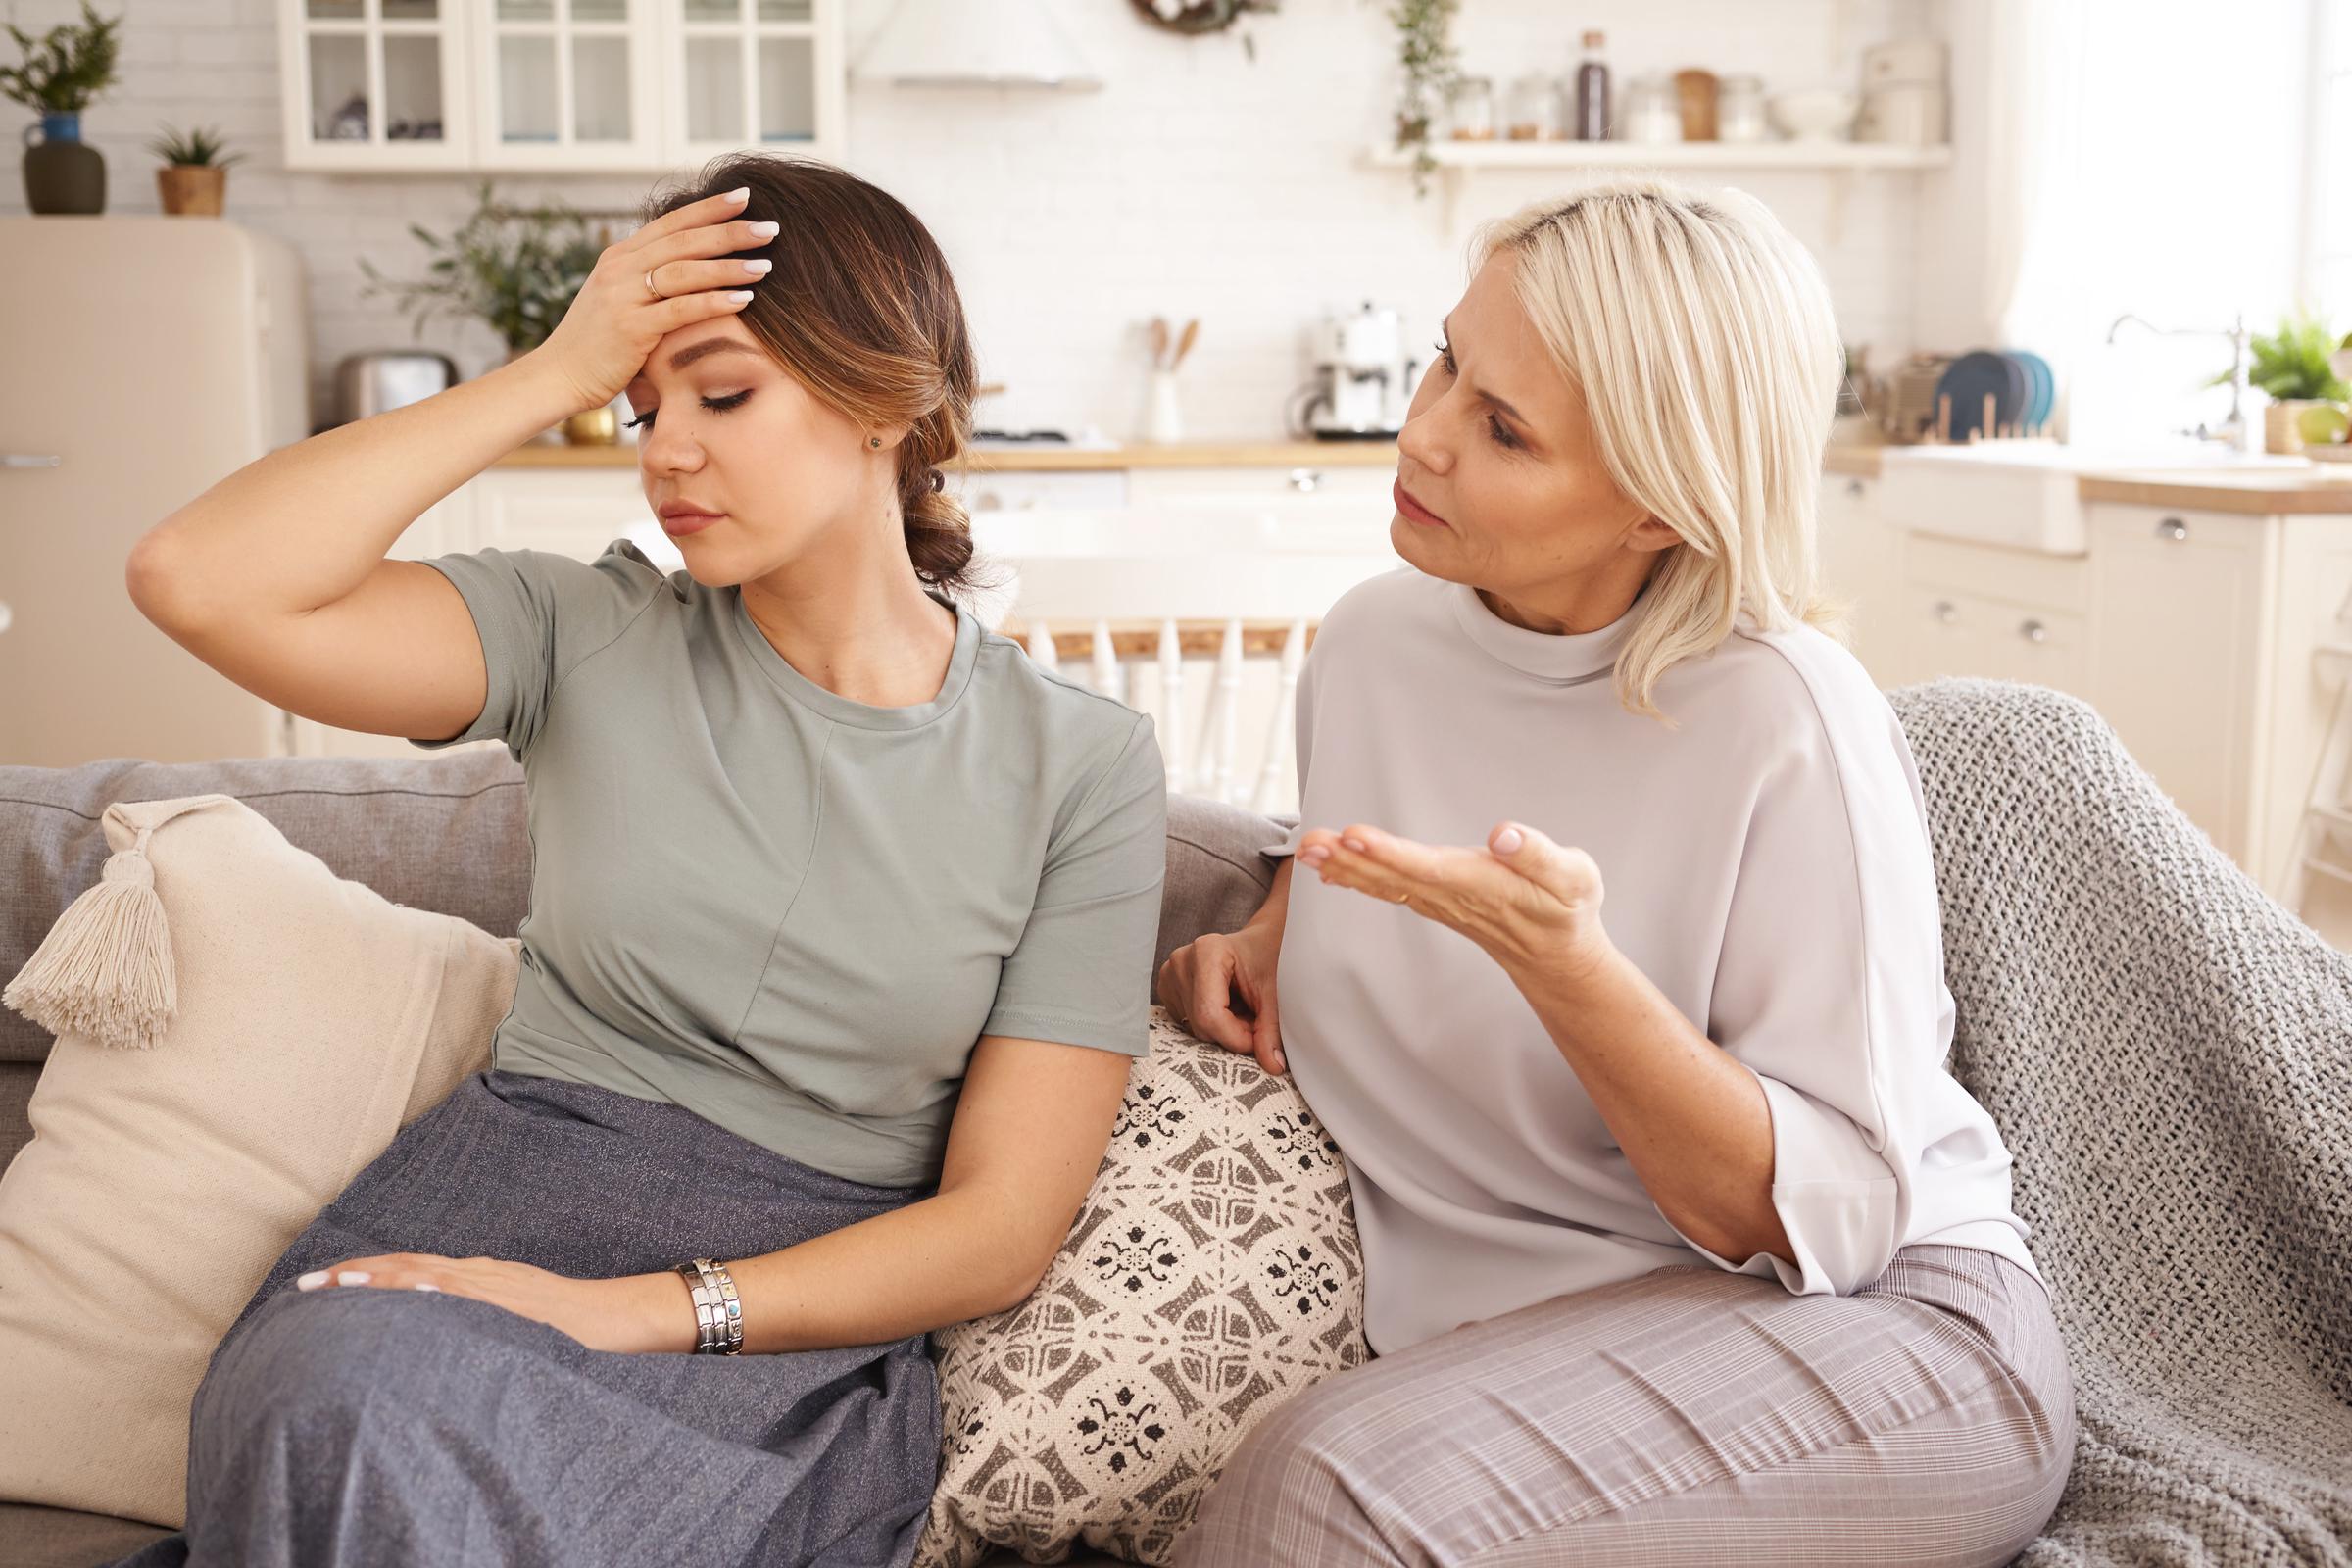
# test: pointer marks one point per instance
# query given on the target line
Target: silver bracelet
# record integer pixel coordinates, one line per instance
(717, 1311)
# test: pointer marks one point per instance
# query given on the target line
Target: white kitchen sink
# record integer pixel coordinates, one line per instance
(2024, 494)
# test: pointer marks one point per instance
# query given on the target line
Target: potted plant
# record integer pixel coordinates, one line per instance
(194, 176)
(60, 73)
(2292, 364)
(516, 270)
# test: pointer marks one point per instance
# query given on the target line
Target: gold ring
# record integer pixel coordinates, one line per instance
(649, 285)
(1404, 896)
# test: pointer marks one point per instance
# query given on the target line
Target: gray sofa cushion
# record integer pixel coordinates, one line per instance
(443, 833)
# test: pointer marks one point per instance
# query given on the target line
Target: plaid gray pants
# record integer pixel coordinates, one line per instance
(1688, 1416)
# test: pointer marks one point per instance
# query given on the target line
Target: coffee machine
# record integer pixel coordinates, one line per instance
(1363, 380)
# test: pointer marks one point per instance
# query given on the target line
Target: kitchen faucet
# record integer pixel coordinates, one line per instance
(2234, 429)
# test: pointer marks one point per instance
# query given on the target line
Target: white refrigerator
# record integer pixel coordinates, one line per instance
(142, 358)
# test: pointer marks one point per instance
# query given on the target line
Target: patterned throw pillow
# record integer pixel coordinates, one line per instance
(1213, 1274)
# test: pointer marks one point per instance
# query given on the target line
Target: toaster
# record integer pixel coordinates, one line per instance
(385, 378)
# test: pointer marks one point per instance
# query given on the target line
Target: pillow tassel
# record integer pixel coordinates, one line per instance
(105, 968)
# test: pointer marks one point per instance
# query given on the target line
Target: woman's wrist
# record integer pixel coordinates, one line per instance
(1565, 969)
(541, 388)
(659, 1310)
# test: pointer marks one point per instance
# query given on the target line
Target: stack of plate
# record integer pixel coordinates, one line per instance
(2020, 383)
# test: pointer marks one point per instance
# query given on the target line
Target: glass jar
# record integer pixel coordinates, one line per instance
(1653, 112)
(1739, 110)
(1472, 109)
(1534, 108)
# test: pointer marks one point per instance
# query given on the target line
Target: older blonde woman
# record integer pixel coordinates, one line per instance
(1681, 1245)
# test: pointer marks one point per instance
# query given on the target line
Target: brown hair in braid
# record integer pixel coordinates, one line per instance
(861, 309)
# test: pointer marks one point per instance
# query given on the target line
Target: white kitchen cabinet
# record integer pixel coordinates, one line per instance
(2182, 603)
(375, 84)
(1990, 610)
(752, 74)
(566, 84)
(1861, 564)
(2191, 631)
(611, 86)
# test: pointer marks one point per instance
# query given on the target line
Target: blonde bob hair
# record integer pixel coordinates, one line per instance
(1699, 334)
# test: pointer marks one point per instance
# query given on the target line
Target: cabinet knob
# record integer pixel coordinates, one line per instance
(2034, 631)
(2171, 528)
(1946, 611)
(1305, 479)
(1856, 488)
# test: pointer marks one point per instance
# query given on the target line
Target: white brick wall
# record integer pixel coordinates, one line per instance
(1197, 182)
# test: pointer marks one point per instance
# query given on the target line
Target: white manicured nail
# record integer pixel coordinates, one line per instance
(311, 1281)
(757, 264)
(354, 1276)
(426, 1284)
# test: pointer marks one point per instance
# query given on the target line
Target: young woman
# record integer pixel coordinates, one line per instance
(1680, 1244)
(839, 945)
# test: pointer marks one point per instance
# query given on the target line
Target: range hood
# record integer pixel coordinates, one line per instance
(975, 43)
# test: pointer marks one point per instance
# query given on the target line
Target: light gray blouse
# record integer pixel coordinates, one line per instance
(1766, 865)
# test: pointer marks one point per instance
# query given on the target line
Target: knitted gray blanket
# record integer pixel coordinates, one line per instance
(2169, 1055)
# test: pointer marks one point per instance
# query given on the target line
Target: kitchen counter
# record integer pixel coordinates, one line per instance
(1861, 462)
(2257, 492)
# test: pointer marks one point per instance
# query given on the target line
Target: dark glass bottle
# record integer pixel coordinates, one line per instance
(1593, 93)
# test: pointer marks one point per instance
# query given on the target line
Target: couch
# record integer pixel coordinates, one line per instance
(2119, 985)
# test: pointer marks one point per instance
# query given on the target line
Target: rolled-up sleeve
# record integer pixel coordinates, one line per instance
(1081, 973)
(1830, 990)
(538, 612)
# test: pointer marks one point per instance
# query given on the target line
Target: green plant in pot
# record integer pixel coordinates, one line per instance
(194, 178)
(2292, 364)
(59, 75)
(517, 270)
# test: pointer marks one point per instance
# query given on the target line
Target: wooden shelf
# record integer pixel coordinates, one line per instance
(1505, 154)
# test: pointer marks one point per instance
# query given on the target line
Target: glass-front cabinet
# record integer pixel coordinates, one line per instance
(373, 85)
(567, 83)
(753, 74)
(587, 86)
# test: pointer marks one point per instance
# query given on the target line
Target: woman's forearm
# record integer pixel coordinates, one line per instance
(1692, 1122)
(936, 1261)
(304, 525)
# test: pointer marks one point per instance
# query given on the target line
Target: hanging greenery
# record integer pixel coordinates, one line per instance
(1430, 68)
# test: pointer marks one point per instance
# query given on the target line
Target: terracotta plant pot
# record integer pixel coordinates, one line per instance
(192, 190)
(2279, 432)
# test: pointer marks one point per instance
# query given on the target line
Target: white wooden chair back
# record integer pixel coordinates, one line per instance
(1114, 617)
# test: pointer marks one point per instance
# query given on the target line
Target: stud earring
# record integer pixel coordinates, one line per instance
(873, 440)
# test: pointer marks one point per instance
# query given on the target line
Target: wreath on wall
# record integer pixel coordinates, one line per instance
(1196, 16)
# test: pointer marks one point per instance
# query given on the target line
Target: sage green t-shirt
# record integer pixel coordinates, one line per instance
(792, 913)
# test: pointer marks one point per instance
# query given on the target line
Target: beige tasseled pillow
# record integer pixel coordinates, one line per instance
(239, 1033)
(1213, 1274)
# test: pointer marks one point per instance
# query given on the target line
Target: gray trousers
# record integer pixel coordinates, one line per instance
(358, 1426)
(1689, 1416)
